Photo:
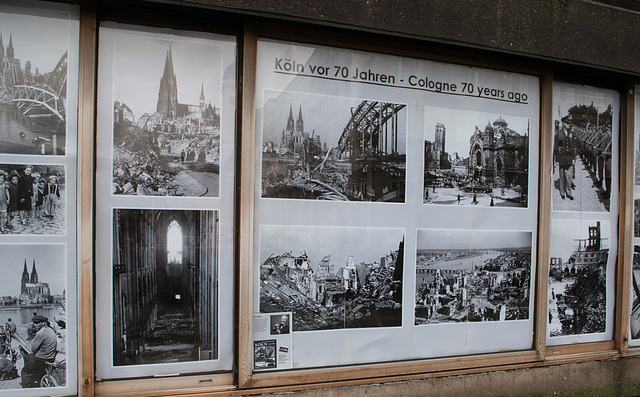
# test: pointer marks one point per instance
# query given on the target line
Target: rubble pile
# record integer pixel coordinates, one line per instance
(355, 296)
(137, 165)
(330, 183)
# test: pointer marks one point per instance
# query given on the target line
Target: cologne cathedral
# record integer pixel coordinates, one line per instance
(174, 117)
(32, 291)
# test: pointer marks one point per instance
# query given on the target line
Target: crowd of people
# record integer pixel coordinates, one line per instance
(26, 195)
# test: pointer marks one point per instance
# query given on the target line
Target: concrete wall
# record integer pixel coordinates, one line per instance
(576, 31)
(598, 378)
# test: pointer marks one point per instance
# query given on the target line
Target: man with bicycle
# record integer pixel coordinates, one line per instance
(44, 346)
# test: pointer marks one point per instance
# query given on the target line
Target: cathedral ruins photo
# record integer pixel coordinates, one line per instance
(163, 146)
(341, 149)
(472, 158)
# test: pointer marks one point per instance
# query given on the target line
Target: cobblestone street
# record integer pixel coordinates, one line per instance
(586, 194)
(42, 225)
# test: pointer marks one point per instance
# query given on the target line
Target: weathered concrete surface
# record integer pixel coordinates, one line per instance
(599, 378)
(579, 31)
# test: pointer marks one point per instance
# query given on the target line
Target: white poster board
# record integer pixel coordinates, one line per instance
(634, 322)
(165, 202)
(584, 215)
(38, 163)
(362, 160)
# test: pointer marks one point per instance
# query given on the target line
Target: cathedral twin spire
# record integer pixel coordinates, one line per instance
(297, 125)
(9, 54)
(26, 279)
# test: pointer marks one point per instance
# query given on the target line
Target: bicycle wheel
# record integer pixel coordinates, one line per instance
(48, 381)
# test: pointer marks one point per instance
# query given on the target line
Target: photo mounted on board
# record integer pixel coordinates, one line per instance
(334, 148)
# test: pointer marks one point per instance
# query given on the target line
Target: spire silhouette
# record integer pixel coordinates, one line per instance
(34, 273)
(168, 92)
(25, 279)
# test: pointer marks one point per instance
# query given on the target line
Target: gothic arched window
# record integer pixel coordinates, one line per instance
(174, 242)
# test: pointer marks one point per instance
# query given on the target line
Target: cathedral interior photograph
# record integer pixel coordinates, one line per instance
(164, 286)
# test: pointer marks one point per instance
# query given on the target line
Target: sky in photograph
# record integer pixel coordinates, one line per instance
(50, 265)
(41, 40)
(326, 115)
(566, 233)
(567, 96)
(365, 244)
(139, 60)
(461, 124)
(436, 239)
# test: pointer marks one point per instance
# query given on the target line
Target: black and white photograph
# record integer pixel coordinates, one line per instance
(637, 164)
(332, 278)
(582, 155)
(473, 158)
(579, 253)
(317, 147)
(264, 354)
(33, 83)
(472, 275)
(32, 199)
(635, 294)
(167, 94)
(164, 286)
(33, 316)
(636, 218)
(279, 324)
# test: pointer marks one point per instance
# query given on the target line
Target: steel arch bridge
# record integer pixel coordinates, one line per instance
(369, 142)
(44, 97)
(372, 131)
(35, 100)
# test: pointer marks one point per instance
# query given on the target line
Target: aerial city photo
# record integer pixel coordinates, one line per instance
(166, 117)
(579, 254)
(333, 148)
(473, 158)
(33, 86)
(332, 278)
(33, 301)
(472, 276)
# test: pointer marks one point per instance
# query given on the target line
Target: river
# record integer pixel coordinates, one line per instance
(22, 316)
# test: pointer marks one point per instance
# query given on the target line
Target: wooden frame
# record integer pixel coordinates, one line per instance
(625, 250)
(603, 348)
(539, 355)
(91, 17)
(247, 379)
(86, 137)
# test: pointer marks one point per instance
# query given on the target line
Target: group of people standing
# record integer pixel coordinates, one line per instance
(189, 155)
(26, 195)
